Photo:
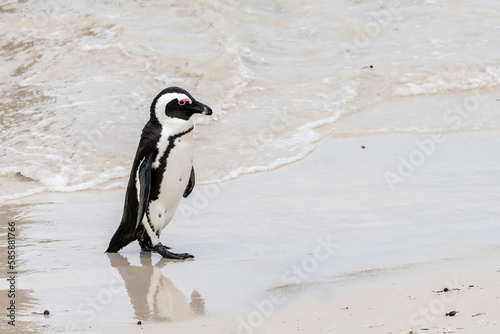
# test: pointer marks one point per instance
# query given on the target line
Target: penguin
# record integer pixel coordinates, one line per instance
(162, 172)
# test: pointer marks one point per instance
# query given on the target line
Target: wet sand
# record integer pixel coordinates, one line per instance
(460, 295)
(327, 244)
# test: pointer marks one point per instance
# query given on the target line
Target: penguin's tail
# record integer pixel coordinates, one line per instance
(116, 245)
(112, 248)
(120, 240)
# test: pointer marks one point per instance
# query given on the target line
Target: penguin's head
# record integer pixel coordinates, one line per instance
(176, 103)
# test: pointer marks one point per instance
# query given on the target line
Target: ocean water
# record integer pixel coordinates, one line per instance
(78, 78)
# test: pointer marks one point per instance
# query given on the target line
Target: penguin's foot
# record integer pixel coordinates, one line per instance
(147, 246)
(163, 251)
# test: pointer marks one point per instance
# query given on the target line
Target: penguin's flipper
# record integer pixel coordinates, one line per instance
(190, 184)
(145, 182)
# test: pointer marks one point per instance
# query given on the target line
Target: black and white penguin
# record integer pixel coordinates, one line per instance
(162, 172)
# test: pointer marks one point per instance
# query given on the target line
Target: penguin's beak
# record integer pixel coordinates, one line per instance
(201, 108)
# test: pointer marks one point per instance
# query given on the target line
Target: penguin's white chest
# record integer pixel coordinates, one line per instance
(174, 180)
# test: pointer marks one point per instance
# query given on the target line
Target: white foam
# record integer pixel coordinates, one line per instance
(235, 173)
(58, 133)
(64, 181)
(459, 79)
(302, 141)
(33, 191)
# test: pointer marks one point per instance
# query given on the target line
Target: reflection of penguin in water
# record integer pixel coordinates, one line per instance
(154, 296)
(161, 174)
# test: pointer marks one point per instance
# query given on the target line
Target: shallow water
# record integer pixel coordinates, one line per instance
(79, 78)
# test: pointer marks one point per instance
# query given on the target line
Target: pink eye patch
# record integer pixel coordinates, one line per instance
(184, 101)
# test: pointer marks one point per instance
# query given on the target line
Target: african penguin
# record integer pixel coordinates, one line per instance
(161, 174)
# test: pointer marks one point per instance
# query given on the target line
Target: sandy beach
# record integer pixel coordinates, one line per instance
(325, 245)
(349, 173)
(447, 296)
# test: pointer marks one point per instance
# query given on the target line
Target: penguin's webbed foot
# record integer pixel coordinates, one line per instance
(147, 246)
(163, 251)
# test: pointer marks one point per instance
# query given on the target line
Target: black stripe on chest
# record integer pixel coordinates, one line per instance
(157, 173)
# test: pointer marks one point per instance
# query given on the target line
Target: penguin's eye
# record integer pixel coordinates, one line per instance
(183, 102)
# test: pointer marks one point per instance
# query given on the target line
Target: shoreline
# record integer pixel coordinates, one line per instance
(407, 301)
(296, 244)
